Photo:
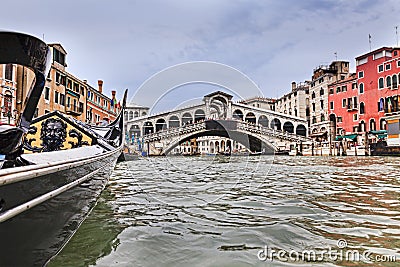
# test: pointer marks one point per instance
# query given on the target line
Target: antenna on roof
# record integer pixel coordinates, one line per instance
(397, 36)
(336, 56)
(369, 39)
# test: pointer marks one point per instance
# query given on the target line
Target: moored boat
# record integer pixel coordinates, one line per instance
(54, 167)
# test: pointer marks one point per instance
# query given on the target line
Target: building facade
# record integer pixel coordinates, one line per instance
(63, 91)
(322, 77)
(100, 107)
(296, 102)
(260, 102)
(8, 93)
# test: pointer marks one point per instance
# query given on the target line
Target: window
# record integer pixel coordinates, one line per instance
(314, 119)
(349, 103)
(68, 101)
(361, 88)
(339, 119)
(58, 57)
(398, 63)
(80, 107)
(354, 86)
(9, 72)
(322, 117)
(344, 88)
(380, 83)
(62, 99)
(47, 93)
(331, 91)
(344, 102)
(362, 108)
(322, 104)
(387, 66)
(331, 105)
(321, 92)
(313, 106)
(388, 81)
(46, 111)
(313, 95)
(394, 81)
(355, 117)
(380, 68)
(381, 104)
(355, 102)
(338, 89)
(360, 74)
(56, 97)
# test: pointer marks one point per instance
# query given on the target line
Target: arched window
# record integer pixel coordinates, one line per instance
(361, 88)
(388, 81)
(322, 117)
(362, 108)
(372, 125)
(130, 115)
(394, 81)
(313, 95)
(136, 114)
(380, 83)
(321, 91)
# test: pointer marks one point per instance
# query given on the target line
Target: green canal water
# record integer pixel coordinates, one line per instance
(221, 211)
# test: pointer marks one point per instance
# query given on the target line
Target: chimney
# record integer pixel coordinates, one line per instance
(85, 81)
(293, 86)
(113, 93)
(100, 83)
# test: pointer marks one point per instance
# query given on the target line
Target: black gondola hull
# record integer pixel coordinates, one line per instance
(32, 237)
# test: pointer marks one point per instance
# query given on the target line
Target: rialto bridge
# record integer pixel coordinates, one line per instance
(258, 129)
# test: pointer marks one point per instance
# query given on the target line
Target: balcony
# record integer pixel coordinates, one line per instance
(352, 107)
(73, 110)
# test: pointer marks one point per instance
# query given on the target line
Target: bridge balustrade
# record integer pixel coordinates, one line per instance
(241, 125)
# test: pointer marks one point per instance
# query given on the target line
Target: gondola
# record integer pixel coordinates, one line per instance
(53, 167)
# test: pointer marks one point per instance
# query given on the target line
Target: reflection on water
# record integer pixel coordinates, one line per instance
(216, 212)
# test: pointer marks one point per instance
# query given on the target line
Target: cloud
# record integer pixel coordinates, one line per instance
(273, 42)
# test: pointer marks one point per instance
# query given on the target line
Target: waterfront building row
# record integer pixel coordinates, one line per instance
(63, 92)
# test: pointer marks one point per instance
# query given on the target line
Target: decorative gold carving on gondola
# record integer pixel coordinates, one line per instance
(54, 133)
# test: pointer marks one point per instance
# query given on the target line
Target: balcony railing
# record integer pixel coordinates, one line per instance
(73, 110)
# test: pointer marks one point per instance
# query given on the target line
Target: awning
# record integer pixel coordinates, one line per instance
(347, 136)
(378, 132)
(382, 136)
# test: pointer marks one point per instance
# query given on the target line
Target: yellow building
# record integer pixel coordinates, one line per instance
(63, 92)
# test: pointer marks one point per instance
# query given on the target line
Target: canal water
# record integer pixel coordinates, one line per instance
(221, 211)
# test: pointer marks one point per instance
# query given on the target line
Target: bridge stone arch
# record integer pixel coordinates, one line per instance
(161, 124)
(263, 121)
(238, 114)
(148, 128)
(276, 124)
(174, 121)
(301, 130)
(250, 117)
(254, 141)
(186, 118)
(288, 127)
(199, 115)
(134, 130)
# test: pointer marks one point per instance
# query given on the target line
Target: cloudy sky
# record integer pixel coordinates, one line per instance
(273, 42)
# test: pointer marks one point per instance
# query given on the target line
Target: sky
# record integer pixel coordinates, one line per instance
(125, 42)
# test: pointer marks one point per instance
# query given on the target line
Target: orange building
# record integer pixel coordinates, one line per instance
(63, 92)
(100, 107)
(8, 88)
